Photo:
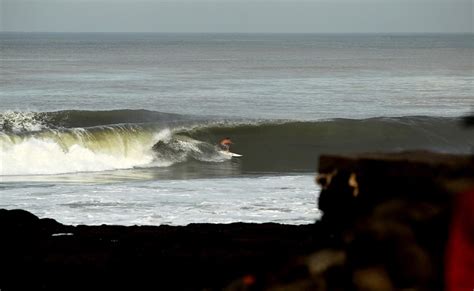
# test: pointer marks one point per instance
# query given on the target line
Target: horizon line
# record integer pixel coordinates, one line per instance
(234, 32)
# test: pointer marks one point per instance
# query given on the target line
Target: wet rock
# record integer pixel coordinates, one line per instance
(194, 257)
(390, 215)
(387, 218)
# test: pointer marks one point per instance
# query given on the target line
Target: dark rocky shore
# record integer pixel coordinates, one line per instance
(388, 224)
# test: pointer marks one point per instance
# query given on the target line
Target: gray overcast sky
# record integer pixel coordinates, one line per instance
(325, 16)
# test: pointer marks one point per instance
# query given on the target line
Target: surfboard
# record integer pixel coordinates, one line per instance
(231, 154)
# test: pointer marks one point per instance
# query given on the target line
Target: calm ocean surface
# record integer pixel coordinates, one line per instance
(121, 128)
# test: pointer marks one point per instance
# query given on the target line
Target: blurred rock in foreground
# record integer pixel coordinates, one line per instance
(390, 218)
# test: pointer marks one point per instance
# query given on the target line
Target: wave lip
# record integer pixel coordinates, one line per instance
(13, 121)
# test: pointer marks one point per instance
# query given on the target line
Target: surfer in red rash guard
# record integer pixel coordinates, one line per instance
(225, 143)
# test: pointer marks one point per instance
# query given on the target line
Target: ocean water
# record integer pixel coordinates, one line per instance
(122, 128)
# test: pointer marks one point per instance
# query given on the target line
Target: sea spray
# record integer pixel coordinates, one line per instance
(13, 121)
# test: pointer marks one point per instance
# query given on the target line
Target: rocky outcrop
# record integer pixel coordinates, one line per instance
(41, 254)
(353, 185)
(386, 224)
(389, 216)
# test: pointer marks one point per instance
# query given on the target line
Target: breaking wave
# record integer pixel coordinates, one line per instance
(98, 149)
(83, 141)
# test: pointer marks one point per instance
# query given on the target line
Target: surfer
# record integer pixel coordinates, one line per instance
(225, 143)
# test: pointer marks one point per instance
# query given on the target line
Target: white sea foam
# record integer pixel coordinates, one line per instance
(78, 150)
(37, 156)
(288, 199)
(163, 135)
(20, 121)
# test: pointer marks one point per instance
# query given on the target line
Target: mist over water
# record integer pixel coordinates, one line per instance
(123, 128)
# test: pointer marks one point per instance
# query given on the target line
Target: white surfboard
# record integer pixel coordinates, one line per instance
(231, 154)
